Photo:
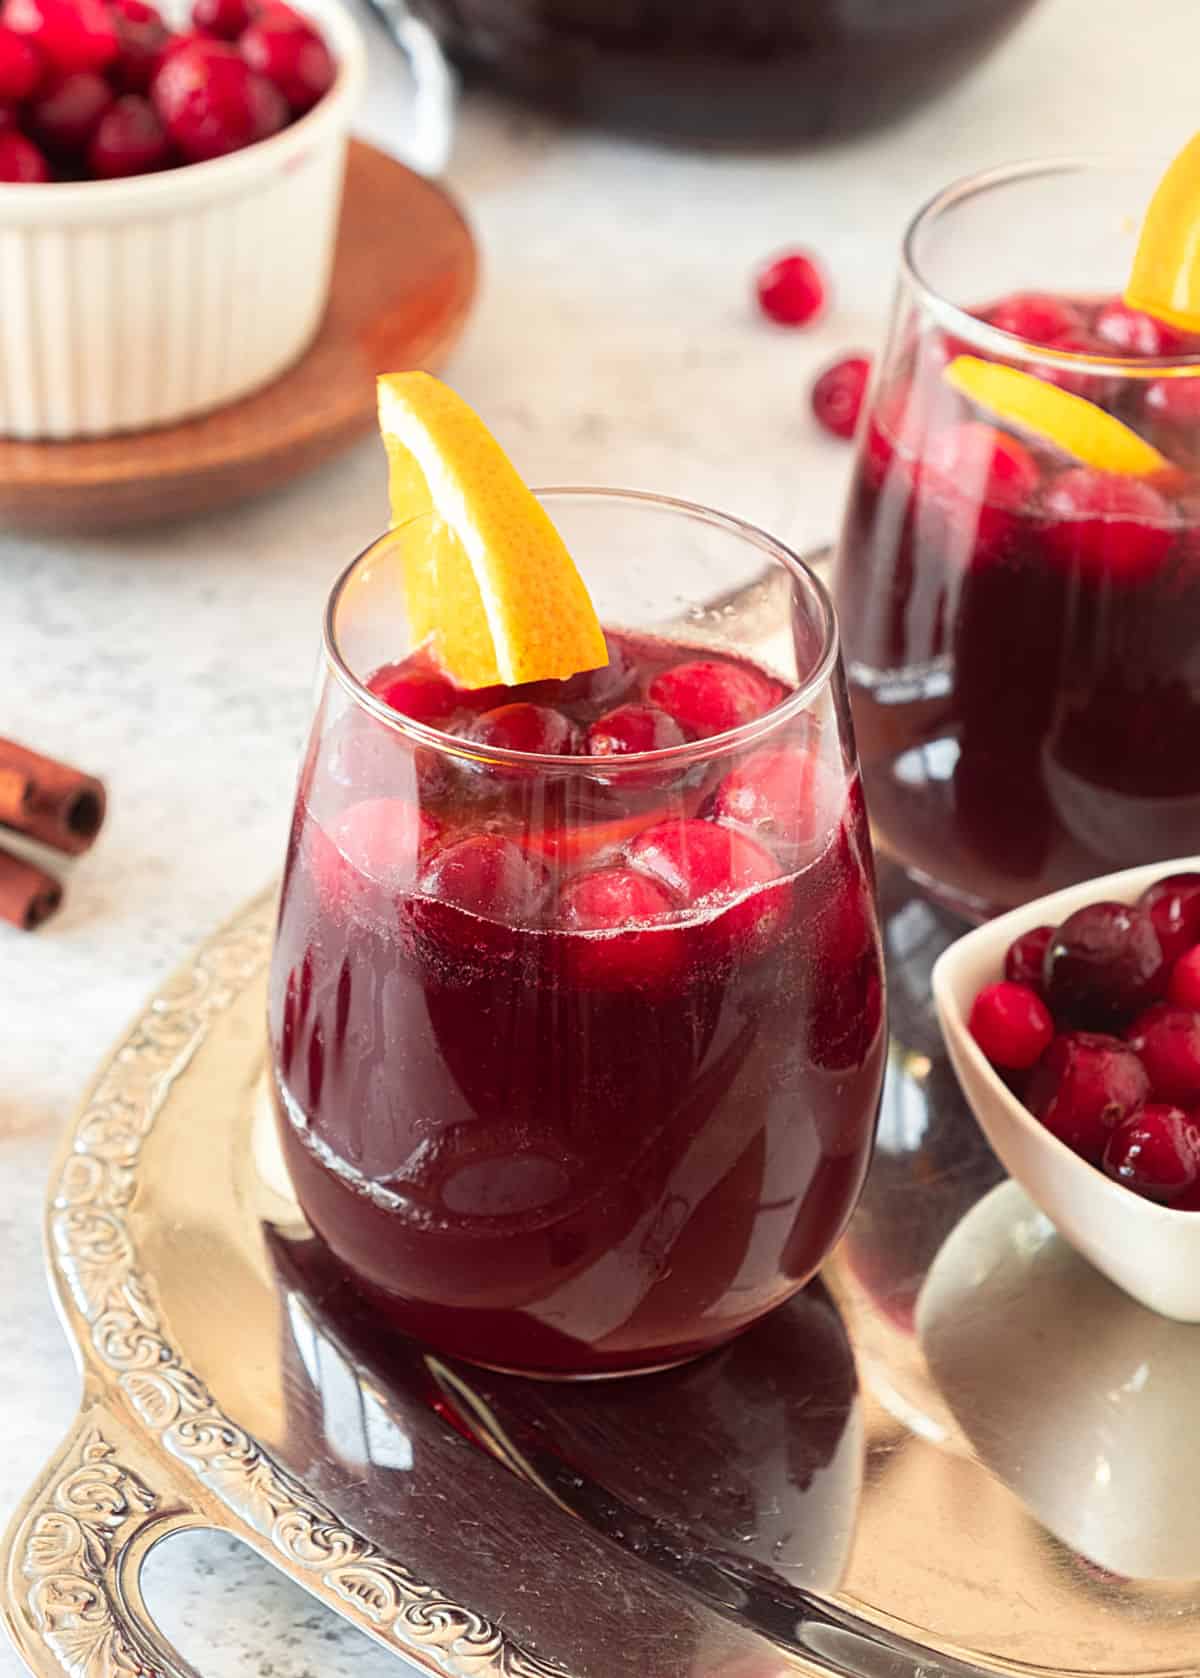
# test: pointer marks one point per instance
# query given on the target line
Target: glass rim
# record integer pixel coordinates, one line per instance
(962, 324)
(691, 751)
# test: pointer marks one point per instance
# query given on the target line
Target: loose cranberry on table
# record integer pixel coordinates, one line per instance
(1155, 1152)
(286, 49)
(837, 395)
(1105, 527)
(792, 290)
(1084, 1084)
(1011, 1024)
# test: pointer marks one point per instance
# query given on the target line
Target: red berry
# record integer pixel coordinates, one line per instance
(525, 728)
(984, 464)
(633, 728)
(618, 902)
(1033, 316)
(702, 865)
(711, 695)
(1104, 965)
(1025, 958)
(486, 875)
(1083, 1085)
(210, 100)
(384, 838)
(1011, 1024)
(130, 140)
(837, 395)
(67, 113)
(792, 290)
(1173, 904)
(143, 38)
(20, 66)
(1105, 526)
(21, 162)
(1155, 1152)
(1131, 332)
(1174, 401)
(287, 50)
(1080, 381)
(8, 115)
(70, 35)
(1167, 1042)
(1183, 987)
(226, 19)
(784, 793)
(423, 695)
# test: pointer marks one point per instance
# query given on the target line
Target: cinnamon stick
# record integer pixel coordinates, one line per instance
(48, 800)
(28, 895)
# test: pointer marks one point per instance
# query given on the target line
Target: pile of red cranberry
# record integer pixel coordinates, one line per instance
(1096, 1027)
(102, 89)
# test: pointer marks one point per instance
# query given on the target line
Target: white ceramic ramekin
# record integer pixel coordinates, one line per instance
(135, 303)
(1150, 1251)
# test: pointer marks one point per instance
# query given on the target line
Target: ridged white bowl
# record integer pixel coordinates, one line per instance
(1150, 1251)
(128, 304)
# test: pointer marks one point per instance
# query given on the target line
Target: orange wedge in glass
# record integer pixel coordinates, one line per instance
(488, 581)
(1165, 281)
(1043, 411)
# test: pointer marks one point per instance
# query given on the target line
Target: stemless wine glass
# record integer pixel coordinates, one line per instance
(578, 1057)
(1022, 632)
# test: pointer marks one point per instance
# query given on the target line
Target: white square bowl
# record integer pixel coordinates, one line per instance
(134, 303)
(1150, 1251)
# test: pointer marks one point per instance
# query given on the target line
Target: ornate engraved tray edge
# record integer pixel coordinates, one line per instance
(150, 1452)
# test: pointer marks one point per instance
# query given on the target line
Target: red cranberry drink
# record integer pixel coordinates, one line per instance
(577, 1000)
(1019, 573)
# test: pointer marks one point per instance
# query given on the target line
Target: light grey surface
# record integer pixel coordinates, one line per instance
(614, 343)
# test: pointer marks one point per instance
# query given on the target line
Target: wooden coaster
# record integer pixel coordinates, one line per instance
(403, 280)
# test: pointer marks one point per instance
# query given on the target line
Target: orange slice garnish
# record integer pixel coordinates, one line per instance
(1165, 281)
(488, 580)
(1041, 410)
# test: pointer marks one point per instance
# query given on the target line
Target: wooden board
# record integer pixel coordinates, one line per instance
(404, 277)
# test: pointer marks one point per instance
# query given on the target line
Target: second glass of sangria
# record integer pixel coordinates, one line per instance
(1018, 578)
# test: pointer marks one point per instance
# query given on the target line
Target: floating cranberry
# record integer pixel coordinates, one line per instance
(1104, 965)
(1183, 987)
(525, 728)
(784, 793)
(619, 902)
(21, 163)
(67, 113)
(1025, 959)
(225, 19)
(130, 140)
(1166, 1040)
(1174, 401)
(703, 865)
(1106, 526)
(712, 695)
(1155, 1152)
(69, 35)
(288, 51)
(633, 728)
(792, 290)
(1011, 1024)
(1131, 332)
(8, 115)
(143, 37)
(1173, 904)
(211, 101)
(486, 875)
(1032, 315)
(384, 838)
(984, 463)
(837, 395)
(423, 695)
(1084, 1084)
(20, 66)
(1082, 381)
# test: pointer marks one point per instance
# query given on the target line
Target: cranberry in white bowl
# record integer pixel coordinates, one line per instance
(169, 195)
(1065, 1021)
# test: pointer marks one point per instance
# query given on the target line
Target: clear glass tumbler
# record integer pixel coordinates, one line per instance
(578, 1057)
(1022, 632)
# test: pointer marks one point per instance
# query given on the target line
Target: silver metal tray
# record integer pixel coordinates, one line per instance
(963, 1452)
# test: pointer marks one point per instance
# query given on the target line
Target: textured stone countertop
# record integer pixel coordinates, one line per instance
(612, 343)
